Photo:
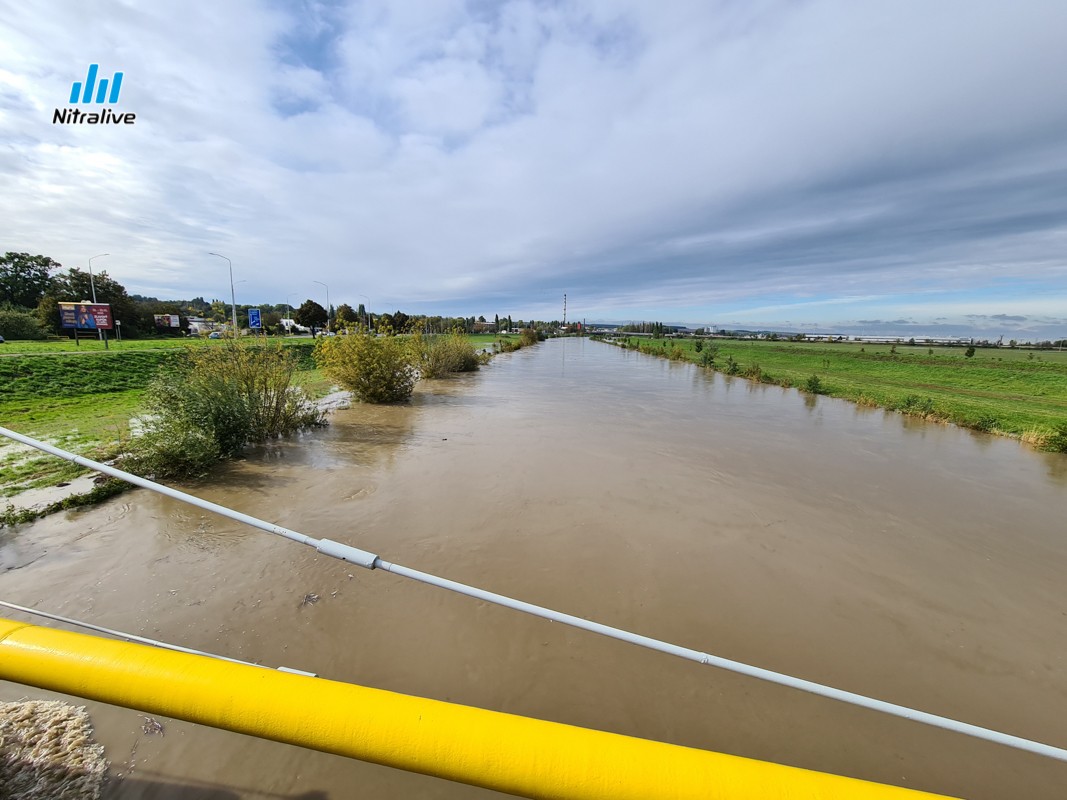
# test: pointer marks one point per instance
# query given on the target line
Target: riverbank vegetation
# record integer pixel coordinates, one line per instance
(527, 337)
(376, 369)
(213, 404)
(1006, 391)
(83, 402)
(439, 355)
(384, 368)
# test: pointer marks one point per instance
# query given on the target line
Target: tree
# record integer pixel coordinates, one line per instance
(310, 315)
(74, 286)
(969, 353)
(19, 323)
(24, 279)
(345, 315)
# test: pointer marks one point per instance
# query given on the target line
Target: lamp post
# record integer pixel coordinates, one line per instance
(233, 298)
(320, 283)
(92, 285)
(289, 303)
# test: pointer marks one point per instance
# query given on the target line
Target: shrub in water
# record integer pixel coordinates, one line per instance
(1056, 442)
(530, 336)
(216, 401)
(437, 356)
(376, 369)
(813, 385)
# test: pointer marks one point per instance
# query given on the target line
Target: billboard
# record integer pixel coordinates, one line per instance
(167, 321)
(85, 316)
(254, 319)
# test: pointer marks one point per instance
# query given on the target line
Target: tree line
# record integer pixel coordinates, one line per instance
(33, 286)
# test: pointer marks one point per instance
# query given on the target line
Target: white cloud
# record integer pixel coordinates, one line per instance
(648, 156)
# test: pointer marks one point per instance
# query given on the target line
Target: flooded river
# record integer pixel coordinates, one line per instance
(913, 562)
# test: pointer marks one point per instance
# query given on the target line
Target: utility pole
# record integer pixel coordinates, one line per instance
(100, 334)
(233, 297)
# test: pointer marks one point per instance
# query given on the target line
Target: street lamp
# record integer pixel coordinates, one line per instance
(92, 285)
(288, 303)
(320, 283)
(233, 298)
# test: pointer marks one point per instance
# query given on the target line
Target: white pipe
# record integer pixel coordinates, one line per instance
(368, 560)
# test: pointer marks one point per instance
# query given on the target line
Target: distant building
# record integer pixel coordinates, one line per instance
(291, 326)
(198, 325)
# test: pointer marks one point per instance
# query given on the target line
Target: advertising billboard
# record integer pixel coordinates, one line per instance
(167, 320)
(85, 316)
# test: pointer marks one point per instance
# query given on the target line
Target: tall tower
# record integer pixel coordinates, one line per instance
(564, 309)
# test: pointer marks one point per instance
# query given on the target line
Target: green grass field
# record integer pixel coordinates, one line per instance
(1015, 392)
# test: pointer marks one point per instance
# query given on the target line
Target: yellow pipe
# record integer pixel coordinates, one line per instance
(517, 755)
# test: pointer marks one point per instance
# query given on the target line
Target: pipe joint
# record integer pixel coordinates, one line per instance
(345, 552)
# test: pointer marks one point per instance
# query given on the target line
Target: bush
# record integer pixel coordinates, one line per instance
(437, 356)
(913, 404)
(19, 323)
(1056, 442)
(375, 369)
(530, 336)
(216, 401)
(813, 385)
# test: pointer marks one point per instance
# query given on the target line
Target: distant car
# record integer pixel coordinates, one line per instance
(1, 339)
(214, 335)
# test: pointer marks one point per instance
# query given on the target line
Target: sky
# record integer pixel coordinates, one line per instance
(886, 167)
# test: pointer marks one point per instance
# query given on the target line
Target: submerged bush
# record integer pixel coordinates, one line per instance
(437, 356)
(217, 401)
(530, 336)
(376, 369)
(1056, 442)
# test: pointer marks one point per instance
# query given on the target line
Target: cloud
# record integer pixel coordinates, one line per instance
(706, 159)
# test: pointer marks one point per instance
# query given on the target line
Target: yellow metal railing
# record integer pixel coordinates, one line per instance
(508, 753)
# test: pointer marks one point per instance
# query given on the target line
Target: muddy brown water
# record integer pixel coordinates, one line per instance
(914, 562)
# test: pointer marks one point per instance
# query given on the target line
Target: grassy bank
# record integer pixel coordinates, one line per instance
(83, 400)
(1015, 392)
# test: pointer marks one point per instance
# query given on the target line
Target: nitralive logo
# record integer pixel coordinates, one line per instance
(82, 92)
